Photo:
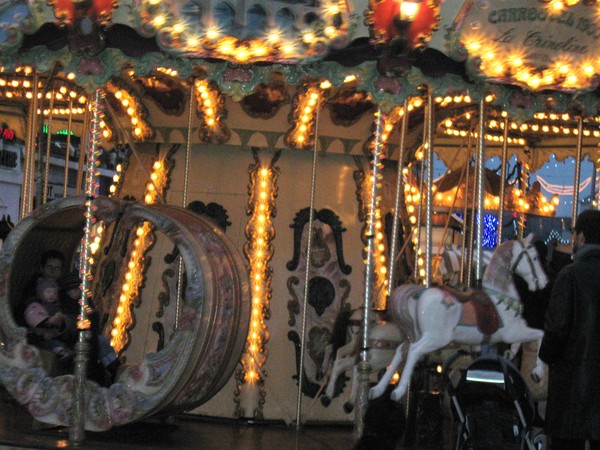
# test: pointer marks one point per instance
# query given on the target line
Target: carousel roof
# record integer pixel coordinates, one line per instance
(536, 45)
(453, 183)
(524, 59)
(454, 178)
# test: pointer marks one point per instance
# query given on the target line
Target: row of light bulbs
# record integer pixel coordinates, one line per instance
(451, 129)
(141, 129)
(259, 251)
(208, 101)
(61, 111)
(380, 281)
(133, 277)
(15, 93)
(302, 134)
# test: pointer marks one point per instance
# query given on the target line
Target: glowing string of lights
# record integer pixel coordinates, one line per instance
(209, 103)
(77, 431)
(560, 189)
(134, 275)
(134, 109)
(91, 190)
(302, 133)
(258, 249)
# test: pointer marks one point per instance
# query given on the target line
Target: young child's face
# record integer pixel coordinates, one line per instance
(50, 295)
(52, 269)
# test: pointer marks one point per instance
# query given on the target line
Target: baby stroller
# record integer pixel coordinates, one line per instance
(492, 406)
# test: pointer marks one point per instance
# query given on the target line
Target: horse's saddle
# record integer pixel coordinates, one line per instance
(478, 309)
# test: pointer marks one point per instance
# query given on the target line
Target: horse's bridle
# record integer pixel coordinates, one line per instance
(525, 252)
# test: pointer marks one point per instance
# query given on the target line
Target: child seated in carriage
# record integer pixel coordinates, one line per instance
(52, 318)
(48, 324)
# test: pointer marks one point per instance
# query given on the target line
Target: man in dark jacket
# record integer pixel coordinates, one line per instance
(571, 344)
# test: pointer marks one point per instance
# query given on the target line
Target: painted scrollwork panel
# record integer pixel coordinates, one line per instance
(327, 293)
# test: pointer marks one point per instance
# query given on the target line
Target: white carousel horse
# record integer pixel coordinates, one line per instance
(384, 337)
(436, 316)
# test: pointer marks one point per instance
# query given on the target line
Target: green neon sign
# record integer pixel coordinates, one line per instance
(59, 132)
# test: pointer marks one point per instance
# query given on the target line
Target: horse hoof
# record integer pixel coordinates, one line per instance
(395, 396)
(374, 393)
(348, 407)
(325, 401)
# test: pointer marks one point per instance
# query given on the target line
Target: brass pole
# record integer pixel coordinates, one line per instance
(48, 146)
(69, 126)
(311, 218)
(29, 161)
(364, 365)
(577, 171)
(480, 194)
(186, 170)
(393, 250)
(503, 162)
(429, 203)
(419, 223)
(464, 254)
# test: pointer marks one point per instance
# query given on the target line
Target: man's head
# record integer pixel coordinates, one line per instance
(52, 264)
(47, 290)
(587, 229)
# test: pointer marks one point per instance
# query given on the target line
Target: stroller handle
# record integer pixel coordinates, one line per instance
(448, 364)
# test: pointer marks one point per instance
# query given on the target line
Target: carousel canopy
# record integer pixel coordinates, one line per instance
(537, 45)
(532, 61)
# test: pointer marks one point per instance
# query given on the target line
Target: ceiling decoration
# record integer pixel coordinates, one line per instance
(267, 31)
(266, 100)
(166, 90)
(348, 105)
(143, 37)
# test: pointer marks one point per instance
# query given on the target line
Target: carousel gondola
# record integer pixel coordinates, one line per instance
(201, 352)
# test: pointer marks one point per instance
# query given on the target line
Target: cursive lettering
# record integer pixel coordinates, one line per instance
(535, 39)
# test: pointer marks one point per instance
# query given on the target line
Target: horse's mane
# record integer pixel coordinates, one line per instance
(497, 274)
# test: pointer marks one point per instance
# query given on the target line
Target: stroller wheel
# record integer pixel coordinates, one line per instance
(539, 441)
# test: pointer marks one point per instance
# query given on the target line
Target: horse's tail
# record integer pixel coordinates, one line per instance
(399, 309)
(342, 322)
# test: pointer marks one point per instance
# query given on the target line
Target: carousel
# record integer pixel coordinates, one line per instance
(241, 186)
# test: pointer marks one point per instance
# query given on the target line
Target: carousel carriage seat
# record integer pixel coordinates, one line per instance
(61, 232)
(189, 367)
